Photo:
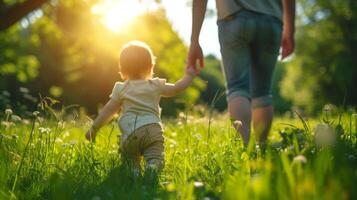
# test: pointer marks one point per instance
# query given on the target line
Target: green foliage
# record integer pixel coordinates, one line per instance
(15, 58)
(215, 84)
(69, 53)
(324, 67)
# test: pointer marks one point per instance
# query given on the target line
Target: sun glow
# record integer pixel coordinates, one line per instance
(116, 14)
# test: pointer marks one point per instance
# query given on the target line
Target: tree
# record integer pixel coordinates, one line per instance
(77, 55)
(10, 13)
(325, 66)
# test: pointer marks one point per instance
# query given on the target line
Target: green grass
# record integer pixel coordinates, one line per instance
(202, 160)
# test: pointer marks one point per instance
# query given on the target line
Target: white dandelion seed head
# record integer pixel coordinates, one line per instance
(15, 118)
(36, 113)
(6, 93)
(24, 90)
(237, 124)
(44, 130)
(328, 107)
(198, 184)
(300, 159)
(324, 135)
(8, 111)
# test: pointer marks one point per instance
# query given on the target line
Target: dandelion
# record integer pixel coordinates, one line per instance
(7, 124)
(6, 93)
(182, 116)
(324, 135)
(300, 159)
(24, 90)
(25, 121)
(197, 136)
(61, 124)
(198, 184)
(15, 118)
(237, 124)
(328, 107)
(36, 113)
(8, 111)
(44, 130)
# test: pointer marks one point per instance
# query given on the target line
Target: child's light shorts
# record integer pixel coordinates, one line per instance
(147, 141)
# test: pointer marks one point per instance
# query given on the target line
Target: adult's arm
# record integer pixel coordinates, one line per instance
(195, 52)
(287, 42)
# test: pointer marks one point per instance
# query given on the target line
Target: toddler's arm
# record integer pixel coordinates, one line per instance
(104, 116)
(170, 89)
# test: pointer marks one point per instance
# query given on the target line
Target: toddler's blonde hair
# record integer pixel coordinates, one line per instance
(136, 61)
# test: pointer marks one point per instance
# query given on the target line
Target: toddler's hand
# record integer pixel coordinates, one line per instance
(191, 71)
(90, 135)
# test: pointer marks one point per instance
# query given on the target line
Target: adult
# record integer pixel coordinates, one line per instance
(250, 35)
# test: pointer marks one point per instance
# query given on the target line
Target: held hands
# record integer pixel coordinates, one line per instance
(195, 57)
(191, 71)
(91, 134)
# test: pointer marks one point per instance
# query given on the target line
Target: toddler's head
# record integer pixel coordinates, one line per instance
(136, 61)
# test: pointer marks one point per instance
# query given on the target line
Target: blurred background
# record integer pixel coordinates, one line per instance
(68, 50)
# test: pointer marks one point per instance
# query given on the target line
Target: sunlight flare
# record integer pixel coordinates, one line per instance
(116, 14)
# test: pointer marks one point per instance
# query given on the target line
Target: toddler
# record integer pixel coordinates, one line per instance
(138, 99)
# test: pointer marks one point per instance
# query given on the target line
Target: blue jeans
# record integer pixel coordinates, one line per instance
(250, 45)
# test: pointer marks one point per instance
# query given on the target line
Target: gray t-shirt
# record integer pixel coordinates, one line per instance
(226, 8)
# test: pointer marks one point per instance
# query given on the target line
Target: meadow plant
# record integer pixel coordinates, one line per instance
(45, 156)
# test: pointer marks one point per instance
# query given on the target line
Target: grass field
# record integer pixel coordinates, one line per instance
(46, 157)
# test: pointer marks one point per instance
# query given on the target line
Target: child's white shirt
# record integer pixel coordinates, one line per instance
(140, 103)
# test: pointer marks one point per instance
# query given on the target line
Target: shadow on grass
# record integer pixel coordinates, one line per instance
(118, 184)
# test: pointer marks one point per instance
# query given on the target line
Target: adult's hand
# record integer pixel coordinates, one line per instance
(287, 41)
(287, 44)
(195, 57)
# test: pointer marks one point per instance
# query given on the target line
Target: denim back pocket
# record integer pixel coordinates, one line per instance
(238, 29)
(273, 33)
